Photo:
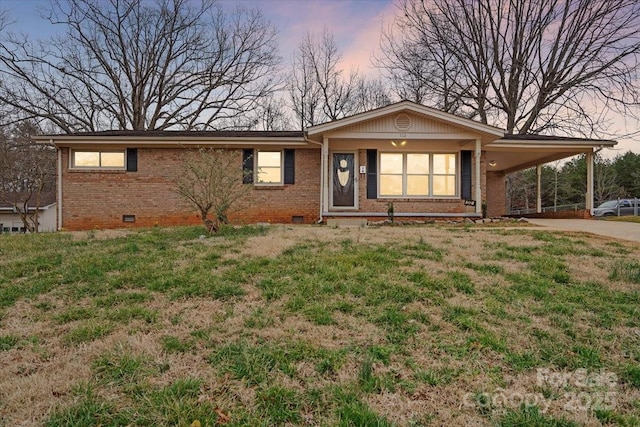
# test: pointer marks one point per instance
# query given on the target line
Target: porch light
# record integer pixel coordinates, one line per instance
(399, 144)
(492, 163)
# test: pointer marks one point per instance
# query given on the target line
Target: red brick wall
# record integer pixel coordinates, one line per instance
(575, 214)
(496, 201)
(100, 199)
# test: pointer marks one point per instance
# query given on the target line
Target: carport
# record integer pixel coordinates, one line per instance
(513, 153)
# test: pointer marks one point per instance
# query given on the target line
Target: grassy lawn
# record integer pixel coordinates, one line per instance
(407, 326)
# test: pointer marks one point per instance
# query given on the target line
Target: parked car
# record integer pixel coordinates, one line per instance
(616, 207)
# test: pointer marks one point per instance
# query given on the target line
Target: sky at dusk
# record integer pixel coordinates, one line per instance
(355, 24)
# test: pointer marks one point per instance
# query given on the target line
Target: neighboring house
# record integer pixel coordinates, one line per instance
(11, 222)
(428, 163)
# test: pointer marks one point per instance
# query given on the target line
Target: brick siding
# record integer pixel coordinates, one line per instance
(496, 199)
(99, 199)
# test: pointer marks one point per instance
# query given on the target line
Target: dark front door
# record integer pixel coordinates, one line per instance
(344, 189)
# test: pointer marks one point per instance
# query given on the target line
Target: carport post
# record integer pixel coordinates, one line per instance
(325, 181)
(589, 195)
(539, 189)
(478, 185)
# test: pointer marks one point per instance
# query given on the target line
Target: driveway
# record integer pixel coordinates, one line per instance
(618, 230)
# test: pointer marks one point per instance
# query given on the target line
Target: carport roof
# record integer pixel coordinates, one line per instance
(516, 152)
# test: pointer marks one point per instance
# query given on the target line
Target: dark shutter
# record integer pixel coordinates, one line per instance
(465, 160)
(372, 174)
(289, 166)
(132, 159)
(247, 166)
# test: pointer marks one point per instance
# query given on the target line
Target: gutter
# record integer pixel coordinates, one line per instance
(322, 174)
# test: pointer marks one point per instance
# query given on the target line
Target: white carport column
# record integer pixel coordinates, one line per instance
(325, 167)
(478, 177)
(59, 198)
(590, 182)
(538, 188)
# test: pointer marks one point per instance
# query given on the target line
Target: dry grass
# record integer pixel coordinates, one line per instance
(312, 325)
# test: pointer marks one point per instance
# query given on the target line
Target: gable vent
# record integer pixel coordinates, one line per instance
(403, 122)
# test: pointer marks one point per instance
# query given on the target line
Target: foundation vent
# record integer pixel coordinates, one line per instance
(128, 218)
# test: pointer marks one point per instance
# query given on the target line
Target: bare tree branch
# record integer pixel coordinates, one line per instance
(27, 172)
(137, 64)
(528, 65)
(211, 180)
(319, 89)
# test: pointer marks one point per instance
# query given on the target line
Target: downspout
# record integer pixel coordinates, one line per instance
(322, 173)
(59, 205)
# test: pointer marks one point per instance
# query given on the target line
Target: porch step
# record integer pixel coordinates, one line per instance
(346, 222)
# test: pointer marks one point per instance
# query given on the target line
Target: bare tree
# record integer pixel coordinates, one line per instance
(420, 71)
(139, 64)
(370, 94)
(532, 66)
(211, 179)
(321, 91)
(270, 115)
(605, 185)
(27, 173)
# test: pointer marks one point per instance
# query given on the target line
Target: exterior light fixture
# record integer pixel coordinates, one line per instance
(492, 163)
(399, 144)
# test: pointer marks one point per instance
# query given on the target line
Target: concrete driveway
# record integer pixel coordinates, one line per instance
(618, 230)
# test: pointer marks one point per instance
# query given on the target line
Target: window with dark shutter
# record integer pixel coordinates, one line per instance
(465, 160)
(132, 159)
(247, 166)
(289, 166)
(372, 174)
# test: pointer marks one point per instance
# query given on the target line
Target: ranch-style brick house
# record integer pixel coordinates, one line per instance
(428, 163)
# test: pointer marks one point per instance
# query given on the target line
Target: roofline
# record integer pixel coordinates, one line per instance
(551, 143)
(401, 106)
(168, 140)
(30, 208)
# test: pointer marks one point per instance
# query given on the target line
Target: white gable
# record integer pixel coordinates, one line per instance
(403, 122)
(405, 119)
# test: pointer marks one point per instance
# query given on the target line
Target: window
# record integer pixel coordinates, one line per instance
(98, 159)
(269, 167)
(444, 175)
(417, 174)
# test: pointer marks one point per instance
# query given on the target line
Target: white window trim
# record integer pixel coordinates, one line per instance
(431, 175)
(256, 168)
(72, 160)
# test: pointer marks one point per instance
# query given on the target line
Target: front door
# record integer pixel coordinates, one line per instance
(343, 172)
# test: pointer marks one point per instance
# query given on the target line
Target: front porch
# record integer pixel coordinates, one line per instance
(423, 164)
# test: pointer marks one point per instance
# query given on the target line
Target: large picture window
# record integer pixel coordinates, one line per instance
(269, 167)
(98, 159)
(417, 174)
